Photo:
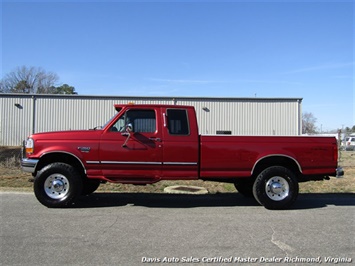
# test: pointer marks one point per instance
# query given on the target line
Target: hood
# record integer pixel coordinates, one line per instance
(68, 135)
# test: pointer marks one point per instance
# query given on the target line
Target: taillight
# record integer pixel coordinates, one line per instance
(335, 153)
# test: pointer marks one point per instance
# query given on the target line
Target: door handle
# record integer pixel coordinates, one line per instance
(155, 139)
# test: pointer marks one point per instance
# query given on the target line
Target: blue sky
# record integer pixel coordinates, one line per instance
(210, 49)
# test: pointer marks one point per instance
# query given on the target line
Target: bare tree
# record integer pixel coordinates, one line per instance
(308, 123)
(28, 80)
(2, 87)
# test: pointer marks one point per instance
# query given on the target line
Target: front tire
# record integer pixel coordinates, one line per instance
(276, 188)
(90, 186)
(57, 185)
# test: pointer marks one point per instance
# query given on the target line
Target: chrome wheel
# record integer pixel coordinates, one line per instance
(277, 188)
(56, 186)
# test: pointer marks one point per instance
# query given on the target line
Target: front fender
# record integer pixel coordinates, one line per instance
(55, 154)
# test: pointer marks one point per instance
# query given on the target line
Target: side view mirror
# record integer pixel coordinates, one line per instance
(129, 131)
(129, 128)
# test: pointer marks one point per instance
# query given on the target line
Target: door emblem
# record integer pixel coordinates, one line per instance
(84, 149)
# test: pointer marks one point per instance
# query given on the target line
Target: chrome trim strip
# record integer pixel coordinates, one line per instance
(92, 162)
(179, 163)
(130, 162)
(144, 163)
(29, 165)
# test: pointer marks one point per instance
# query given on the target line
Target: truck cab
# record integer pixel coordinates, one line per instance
(144, 144)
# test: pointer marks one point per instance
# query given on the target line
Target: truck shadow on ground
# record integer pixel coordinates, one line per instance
(160, 200)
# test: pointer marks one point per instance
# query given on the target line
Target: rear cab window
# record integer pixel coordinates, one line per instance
(177, 122)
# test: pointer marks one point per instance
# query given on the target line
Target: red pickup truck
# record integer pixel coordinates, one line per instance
(143, 144)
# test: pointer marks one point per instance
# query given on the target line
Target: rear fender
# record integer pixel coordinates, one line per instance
(276, 160)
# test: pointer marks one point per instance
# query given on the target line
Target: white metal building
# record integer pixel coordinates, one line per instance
(23, 114)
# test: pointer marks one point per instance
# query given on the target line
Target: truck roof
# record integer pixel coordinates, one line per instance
(152, 105)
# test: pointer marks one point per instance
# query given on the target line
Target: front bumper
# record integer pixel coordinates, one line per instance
(29, 165)
(340, 172)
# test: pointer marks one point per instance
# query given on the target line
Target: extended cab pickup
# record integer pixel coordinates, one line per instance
(143, 144)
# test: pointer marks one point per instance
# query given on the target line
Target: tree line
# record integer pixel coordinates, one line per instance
(309, 125)
(33, 80)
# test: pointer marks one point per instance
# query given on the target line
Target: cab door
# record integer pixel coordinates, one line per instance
(131, 149)
(181, 144)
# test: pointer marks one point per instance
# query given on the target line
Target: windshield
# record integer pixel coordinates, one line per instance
(109, 121)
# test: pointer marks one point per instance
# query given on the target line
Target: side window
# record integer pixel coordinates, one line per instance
(119, 126)
(178, 122)
(140, 120)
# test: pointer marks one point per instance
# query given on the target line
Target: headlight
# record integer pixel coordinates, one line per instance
(29, 146)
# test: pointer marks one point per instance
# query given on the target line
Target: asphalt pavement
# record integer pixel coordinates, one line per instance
(168, 229)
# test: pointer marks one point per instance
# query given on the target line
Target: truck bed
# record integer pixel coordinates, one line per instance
(237, 156)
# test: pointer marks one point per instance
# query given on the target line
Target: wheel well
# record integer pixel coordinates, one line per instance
(63, 158)
(284, 161)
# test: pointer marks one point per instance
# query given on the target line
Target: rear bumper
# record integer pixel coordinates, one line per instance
(339, 172)
(29, 165)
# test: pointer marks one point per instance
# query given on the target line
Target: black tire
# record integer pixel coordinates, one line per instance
(57, 185)
(244, 187)
(276, 188)
(89, 186)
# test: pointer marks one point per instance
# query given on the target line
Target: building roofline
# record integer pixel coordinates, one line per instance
(171, 98)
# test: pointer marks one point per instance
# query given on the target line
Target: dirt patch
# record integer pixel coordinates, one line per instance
(10, 157)
(12, 178)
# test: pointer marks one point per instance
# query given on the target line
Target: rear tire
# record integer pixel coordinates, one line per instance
(244, 187)
(276, 188)
(57, 185)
